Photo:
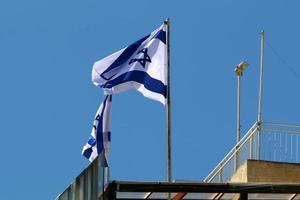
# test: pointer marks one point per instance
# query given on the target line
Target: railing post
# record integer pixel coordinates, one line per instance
(297, 147)
(221, 173)
(258, 139)
(251, 147)
(236, 160)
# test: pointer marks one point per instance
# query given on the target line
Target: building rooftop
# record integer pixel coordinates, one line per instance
(264, 164)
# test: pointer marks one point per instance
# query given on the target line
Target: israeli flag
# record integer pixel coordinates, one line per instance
(139, 66)
(99, 141)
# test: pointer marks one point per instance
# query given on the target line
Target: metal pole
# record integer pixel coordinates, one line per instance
(106, 172)
(103, 180)
(238, 121)
(262, 41)
(168, 103)
(239, 72)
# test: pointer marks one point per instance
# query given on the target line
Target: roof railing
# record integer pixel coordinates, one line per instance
(266, 141)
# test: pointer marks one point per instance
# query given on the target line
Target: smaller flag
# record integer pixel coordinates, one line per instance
(99, 140)
(139, 66)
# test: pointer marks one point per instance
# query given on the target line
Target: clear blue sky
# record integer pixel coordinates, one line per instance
(47, 48)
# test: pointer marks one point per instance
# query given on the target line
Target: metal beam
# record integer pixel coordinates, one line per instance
(121, 186)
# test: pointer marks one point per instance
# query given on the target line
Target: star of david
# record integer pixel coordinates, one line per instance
(144, 60)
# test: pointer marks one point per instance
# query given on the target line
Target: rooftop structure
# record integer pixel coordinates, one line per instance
(244, 173)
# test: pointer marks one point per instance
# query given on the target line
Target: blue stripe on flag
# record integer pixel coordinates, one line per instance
(161, 35)
(126, 54)
(141, 77)
(110, 98)
(99, 131)
(92, 141)
(98, 128)
(109, 136)
(88, 152)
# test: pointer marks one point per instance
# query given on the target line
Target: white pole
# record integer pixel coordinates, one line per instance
(260, 89)
(239, 72)
(239, 69)
(168, 103)
(261, 74)
(238, 121)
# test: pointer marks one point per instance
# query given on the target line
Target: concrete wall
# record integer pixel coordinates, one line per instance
(267, 171)
(241, 174)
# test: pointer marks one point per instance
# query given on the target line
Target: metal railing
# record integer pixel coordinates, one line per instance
(238, 154)
(280, 142)
(268, 141)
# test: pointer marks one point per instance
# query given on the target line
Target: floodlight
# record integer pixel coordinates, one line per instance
(240, 68)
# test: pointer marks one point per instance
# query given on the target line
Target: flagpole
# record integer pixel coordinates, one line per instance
(168, 103)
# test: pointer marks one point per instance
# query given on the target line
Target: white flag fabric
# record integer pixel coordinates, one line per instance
(139, 66)
(99, 140)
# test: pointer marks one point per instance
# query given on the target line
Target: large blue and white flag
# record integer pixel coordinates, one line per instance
(99, 140)
(139, 66)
